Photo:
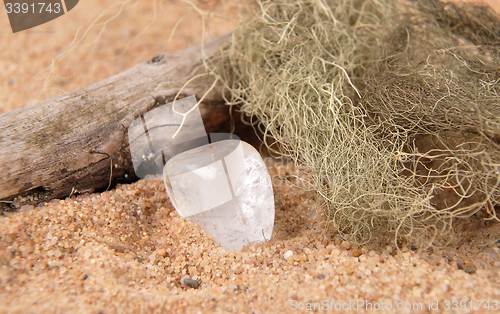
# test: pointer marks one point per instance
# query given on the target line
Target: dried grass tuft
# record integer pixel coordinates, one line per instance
(392, 106)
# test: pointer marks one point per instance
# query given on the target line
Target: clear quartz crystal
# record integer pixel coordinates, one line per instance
(226, 189)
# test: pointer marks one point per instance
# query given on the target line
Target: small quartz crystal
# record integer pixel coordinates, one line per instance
(225, 188)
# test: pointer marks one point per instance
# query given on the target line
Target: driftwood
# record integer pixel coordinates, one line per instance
(69, 143)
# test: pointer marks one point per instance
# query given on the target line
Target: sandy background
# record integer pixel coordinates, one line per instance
(128, 251)
(25, 57)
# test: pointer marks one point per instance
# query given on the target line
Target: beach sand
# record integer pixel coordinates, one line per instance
(128, 251)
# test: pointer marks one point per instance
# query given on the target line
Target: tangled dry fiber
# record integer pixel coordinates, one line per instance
(392, 106)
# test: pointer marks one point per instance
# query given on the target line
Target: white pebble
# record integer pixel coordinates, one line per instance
(288, 254)
(345, 245)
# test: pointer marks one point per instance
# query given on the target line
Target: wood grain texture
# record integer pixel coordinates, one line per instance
(71, 142)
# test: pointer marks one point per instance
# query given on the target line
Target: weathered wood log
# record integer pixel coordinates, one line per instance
(71, 142)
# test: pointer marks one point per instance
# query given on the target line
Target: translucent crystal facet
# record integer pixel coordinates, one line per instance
(226, 189)
(152, 140)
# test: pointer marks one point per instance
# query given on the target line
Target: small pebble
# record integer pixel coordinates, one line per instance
(470, 269)
(119, 198)
(139, 259)
(162, 252)
(287, 254)
(188, 282)
(345, 245)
